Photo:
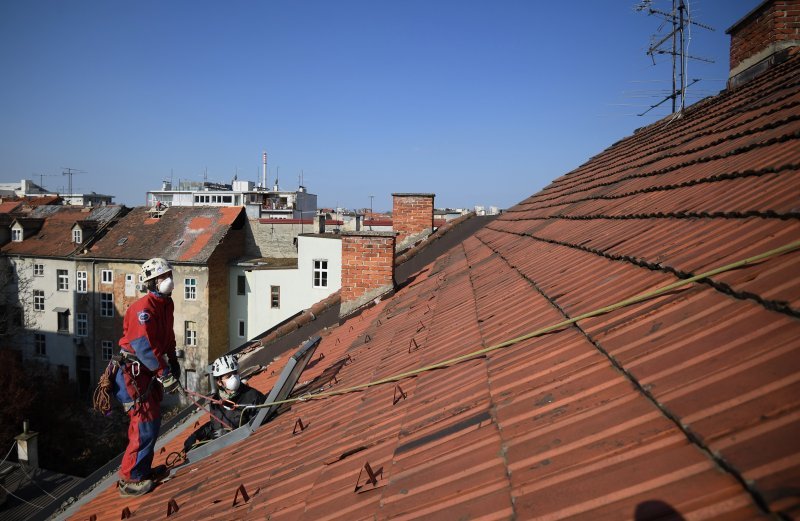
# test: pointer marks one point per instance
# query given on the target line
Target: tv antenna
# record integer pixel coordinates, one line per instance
(41, 179)
(70, 172)
(681, 22)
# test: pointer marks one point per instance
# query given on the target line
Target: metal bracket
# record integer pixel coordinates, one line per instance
(398, 397)
(126, 513)
(241, 490)
(299, 423)
(414, 343)
(172, 507)
(372, 477)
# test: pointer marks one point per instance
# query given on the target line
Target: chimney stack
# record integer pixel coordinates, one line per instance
(28, 447)
(762, 38)
(367, 268)
(412, 217)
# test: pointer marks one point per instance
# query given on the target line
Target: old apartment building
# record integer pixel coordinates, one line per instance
(199, 242)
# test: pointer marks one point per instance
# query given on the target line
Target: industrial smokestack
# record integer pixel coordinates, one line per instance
(264, 171)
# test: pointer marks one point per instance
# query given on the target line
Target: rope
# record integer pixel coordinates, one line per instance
(548, 329)
(228, 403)
(101, 400)
(14, 444)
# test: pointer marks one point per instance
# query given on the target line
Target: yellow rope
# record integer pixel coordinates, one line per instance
(475, 354)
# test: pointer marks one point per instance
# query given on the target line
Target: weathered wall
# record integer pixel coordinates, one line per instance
(273, 239)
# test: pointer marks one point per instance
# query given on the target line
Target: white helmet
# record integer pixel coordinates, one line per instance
(224, 365)
(154, 268)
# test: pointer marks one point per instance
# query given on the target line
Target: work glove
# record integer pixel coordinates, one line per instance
(175, 368)
(170, 384)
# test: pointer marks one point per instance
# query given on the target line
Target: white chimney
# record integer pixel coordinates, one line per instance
(28, 446)
(264, 170)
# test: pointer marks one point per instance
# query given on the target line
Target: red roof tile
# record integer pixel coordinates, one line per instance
(686, 402)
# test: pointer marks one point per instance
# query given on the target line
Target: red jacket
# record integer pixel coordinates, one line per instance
(147, 332)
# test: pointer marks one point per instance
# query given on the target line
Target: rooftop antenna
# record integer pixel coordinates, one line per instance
(681, 22)
(41, 179)
(70, 172)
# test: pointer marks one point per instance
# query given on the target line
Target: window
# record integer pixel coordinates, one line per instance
(38, 270)
(106, 276)
(320, 273)
(80, 281)
(62, 280)
(190, 329)
(190, 289)
(275, 297)
(81, 324)
(40, 347)
(106, 304)
(38, 300)
(16, 235)
(241, 285)
(106, 349)
(130, 285)
(63, 320)
(241, 329)
(77, 235)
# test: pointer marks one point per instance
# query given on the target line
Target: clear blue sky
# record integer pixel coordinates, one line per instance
(479, 102)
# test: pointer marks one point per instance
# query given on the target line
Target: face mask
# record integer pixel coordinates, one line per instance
(232, 383)
(166, 286)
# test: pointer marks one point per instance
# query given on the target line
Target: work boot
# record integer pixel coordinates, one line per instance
(134, 488)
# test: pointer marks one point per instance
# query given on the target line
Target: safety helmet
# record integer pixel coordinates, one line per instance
(154, 268)
(224, 365)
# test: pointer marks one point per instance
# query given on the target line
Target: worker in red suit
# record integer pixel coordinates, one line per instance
(148, 367)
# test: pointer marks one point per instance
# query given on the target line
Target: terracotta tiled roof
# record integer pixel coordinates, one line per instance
(9, 206)
(686, 402)
(53, 230)
(182, 233)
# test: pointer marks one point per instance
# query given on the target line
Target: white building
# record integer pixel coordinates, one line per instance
(265, 292)
(259, 202)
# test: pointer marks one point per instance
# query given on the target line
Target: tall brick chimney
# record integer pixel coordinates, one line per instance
(412, 217)
(762, 38)
(367, 268)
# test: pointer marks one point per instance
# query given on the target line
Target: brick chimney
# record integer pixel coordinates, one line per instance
(367, 268)
(762, 38)
(412, 217)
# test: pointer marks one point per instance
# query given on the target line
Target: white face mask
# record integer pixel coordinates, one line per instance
(232, 383)
(166, 286)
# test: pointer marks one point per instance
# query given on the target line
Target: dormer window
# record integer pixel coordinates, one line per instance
(77, 235)
(16, 234)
